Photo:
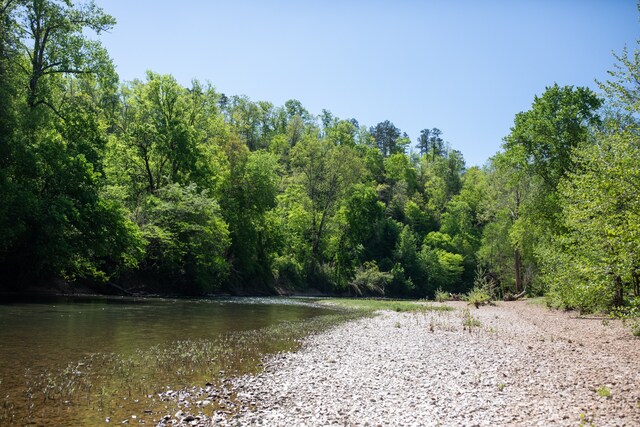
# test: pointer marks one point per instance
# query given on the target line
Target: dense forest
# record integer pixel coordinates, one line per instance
(151, 186)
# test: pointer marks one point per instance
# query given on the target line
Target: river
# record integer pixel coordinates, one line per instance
(65, 361)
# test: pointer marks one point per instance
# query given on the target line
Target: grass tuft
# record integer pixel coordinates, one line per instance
(604, 391)
(373, 305)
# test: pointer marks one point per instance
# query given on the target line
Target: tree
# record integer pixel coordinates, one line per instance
(250, 192)
(557, 123)
(595, 265)
(444, 267)
(508, 237)
(538, 155)
(623, 91)
(342, 132)
(430, 144)
(187, 240)
(52, 36)
(61, 223)
(325, 172)
(169, 134)
(386, 136)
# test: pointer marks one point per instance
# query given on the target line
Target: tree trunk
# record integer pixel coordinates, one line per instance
(517, 264)
(618, 298)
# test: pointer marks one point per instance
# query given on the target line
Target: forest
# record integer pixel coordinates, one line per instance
(151, 186)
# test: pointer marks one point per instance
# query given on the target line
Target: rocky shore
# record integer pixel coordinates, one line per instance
(516, 364)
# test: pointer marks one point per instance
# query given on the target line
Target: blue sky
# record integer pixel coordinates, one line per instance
(465, 67)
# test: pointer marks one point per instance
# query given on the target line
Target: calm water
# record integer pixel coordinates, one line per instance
(45, 336)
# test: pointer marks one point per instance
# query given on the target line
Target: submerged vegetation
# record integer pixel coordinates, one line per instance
(151, 186)
(107, 385)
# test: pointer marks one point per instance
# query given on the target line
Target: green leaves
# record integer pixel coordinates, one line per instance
(186, 239)
(557, 123)
(601, 248)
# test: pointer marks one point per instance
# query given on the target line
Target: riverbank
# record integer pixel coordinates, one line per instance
(513, 364)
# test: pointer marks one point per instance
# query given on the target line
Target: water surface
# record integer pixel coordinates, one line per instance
(43, 337)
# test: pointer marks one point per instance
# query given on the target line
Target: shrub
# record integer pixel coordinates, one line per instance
(369, 279)
(442, 296)
(482, 291)
(478, 296)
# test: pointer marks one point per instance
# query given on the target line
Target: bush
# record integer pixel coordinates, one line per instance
(369, 279)
(630, 315)
(478, 296)
(287, 272)
(399, 284)
(442, 296)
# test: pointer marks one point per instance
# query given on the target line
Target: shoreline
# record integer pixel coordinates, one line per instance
(516, 364)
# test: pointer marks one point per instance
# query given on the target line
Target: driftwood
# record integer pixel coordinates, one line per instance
(478, 304)
(511, 297)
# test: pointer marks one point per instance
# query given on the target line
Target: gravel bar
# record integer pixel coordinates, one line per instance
(514, 364)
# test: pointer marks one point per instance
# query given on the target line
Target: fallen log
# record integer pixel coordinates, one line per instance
(511, 297)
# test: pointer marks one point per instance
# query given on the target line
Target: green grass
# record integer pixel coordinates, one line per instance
(468, 321)
(604, 392)
(373, 305)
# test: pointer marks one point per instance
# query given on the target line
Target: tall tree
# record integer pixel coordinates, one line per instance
(53, 36)
(595, 265)
(64, 226)
(326, 172)
(538, 155)
(386, 136)
(557, 123)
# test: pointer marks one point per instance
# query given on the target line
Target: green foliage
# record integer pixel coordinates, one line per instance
(400, 284)
(56, 221)
(523, 209)
(288, 273)
(557, 123)
(483, 290)
(53, 35)
(600, 252)
(188, 190)
(444, 267)
(478, 296)
(370, 280)
(251, 192)
(326, 173)
(419, 218)
(442, 296)
(187, 239)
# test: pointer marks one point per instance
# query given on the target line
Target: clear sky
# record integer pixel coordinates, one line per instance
(465, 67)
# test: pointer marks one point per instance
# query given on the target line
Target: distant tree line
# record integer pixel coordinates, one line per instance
(150, 185)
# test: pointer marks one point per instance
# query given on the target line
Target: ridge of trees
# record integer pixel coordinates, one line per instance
(149, 184)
